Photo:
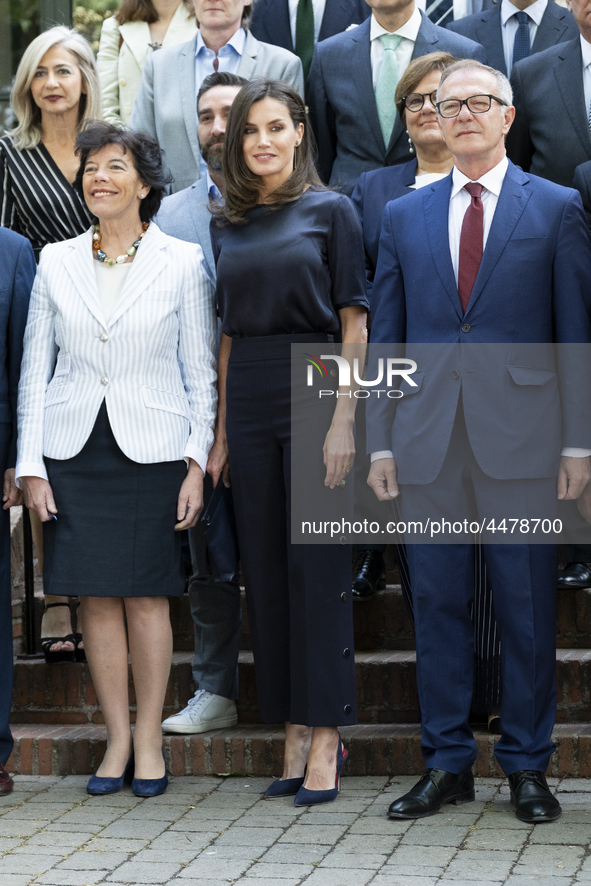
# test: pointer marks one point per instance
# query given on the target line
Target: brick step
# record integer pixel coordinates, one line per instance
(383, 622)
(258, 751)
(386, 689)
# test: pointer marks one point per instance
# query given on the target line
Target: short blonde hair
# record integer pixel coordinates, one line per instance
(28, 133)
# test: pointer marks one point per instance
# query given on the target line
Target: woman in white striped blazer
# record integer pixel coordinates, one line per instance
(117, 398)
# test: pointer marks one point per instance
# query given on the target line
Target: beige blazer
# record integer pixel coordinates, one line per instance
(120, 63)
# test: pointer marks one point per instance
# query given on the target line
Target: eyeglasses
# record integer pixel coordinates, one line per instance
(476, 104)
(415, 100)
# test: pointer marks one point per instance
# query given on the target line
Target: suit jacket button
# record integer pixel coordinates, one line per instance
(122, 83)
(343, 539)
(466, 327)
(347, 709)
(346, 653)
(344, 596)
(455, 374)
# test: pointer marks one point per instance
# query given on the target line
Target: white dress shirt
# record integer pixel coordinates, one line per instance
(586, 53)
(492, 182)
(228, 57)
(509, 25)
(408, 32)
(318, 5)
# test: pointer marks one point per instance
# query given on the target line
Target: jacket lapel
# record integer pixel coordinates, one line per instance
(337, 16)
(198, 201)
(137, 37)
(186, 74)
(148, 264)
(249, 57)
(436, 207)
(567, 72)
(275, 16)
(79, 263)
(491, 37)
(510, 206)
(551, 28)
(360, 62)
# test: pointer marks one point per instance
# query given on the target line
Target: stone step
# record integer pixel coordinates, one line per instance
(386, 689)
(258, 751)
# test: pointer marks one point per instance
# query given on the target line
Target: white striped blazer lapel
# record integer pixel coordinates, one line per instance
(148, 263)
(79, 265)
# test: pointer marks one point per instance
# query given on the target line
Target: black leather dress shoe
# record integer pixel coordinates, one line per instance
(436, 788)
(575, 575)
(531, 797)
(6, 783)
(369, 574)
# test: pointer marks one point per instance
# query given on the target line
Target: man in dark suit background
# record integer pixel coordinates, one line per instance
(512, 31)
(488, 255)
(298, 24)
(17, 272)
(552, 94)
(352, 82)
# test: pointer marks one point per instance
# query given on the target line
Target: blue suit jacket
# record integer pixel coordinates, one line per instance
(342, 104)
(557, 26)
(17, 272)
(372, 192)
(271, 23)
(186, 215)
(532, 287)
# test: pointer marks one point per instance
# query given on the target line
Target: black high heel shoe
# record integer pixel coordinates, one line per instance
(56, 655)
(306, 797)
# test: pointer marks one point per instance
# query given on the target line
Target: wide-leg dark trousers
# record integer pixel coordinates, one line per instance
(298, 596)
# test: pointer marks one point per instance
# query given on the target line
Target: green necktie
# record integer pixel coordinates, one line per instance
(386, 85)
(304, 41)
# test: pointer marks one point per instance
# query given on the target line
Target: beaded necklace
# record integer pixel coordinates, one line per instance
(110, 262)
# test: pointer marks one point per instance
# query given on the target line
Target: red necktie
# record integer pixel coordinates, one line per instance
(216, 63)
(470, 244)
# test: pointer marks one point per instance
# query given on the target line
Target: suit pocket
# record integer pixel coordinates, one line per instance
(63, 365)
(58, 394)
(166, 401)
(524, 375)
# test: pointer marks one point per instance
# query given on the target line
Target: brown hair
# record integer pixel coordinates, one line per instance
(142, 11)
(417, 69)
(242, 185)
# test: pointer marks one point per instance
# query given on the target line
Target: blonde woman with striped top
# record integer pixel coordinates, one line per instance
(55, 90)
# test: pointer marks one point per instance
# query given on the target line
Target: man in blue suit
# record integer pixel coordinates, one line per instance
(498, 28)
(17, 272)
(215, 603)
(350, 89)
(485, 256)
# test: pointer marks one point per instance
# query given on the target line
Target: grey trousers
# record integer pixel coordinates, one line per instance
(217, 619)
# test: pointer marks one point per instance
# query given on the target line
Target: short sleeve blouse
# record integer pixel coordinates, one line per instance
(290, 270)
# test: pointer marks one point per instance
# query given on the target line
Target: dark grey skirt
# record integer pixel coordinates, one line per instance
(114, 536)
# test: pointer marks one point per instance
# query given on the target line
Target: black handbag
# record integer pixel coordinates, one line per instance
(221, 535)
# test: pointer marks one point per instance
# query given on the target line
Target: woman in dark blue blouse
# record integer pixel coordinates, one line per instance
(290, 268)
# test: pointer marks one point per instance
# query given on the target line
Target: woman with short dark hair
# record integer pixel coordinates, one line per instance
(116, 411)
(289, 257)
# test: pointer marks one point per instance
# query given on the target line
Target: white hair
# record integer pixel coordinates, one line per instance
(503, 85)
(29, 132)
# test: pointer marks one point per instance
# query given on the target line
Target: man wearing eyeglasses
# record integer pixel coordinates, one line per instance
(487, 255)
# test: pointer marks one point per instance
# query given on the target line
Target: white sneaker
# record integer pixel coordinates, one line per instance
(204, 711)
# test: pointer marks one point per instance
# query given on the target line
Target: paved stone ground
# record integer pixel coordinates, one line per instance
(216, 831)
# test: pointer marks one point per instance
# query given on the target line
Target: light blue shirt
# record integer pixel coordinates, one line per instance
(228, 57)
(213, 192)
